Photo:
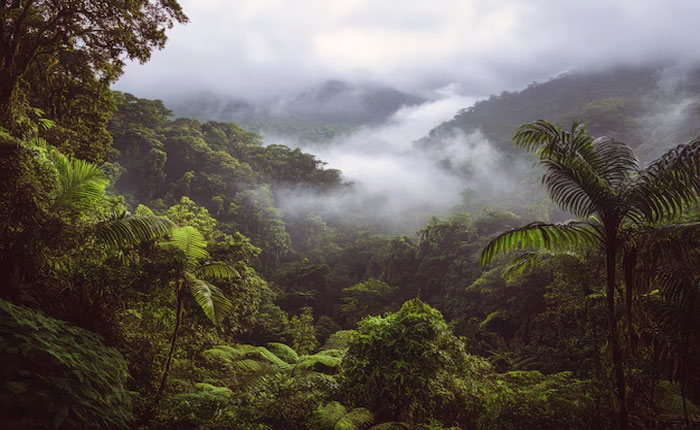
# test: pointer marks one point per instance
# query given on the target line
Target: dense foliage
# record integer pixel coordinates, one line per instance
(151, 278)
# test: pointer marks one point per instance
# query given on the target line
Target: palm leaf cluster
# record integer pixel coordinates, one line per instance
(619, 207)
(190, 247)
(80, 184)
(601, 183)
(124, 229)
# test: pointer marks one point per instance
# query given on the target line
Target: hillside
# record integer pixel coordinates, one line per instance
(650, 108)
(316, 114)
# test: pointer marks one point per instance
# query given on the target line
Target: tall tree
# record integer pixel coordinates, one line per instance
(601, 183)
(101, 33)
(190, 248)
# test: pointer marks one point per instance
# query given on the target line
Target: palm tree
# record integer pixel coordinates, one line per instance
(190, 249)
(601, 183)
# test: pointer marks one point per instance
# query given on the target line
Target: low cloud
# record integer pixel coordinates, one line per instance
(396, 183)
(260, 49)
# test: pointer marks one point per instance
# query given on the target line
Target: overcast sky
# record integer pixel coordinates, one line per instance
(262, 48)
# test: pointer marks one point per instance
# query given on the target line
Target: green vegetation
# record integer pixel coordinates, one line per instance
(149, 277)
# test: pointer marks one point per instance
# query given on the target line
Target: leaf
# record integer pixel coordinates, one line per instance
(125, 230)
(666, 186)
(80, 183)
(537, 235)
(211, 299)
(356, 419)
(217, 270)
(191, 243)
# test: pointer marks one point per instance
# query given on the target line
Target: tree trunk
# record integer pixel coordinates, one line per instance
(629, 264)
(150, 412)
(613, 340)
(6, 87)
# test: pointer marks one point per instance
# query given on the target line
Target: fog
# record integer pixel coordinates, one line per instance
(259, 49)
(395, 183)
(260, 60)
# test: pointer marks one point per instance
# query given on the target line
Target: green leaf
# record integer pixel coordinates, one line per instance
(211, 299)
(566, 236)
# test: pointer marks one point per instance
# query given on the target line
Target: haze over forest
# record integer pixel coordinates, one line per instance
(349, 214)
(338, 66)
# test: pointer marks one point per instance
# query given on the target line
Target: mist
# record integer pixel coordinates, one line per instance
(258, 50)
(396, 183)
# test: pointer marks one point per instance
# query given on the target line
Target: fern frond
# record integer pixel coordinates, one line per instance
(326, 416)
(284, 352)
(324, 363)
(395, 425)
(568, 236)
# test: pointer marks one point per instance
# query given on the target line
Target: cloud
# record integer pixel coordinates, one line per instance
(397, 184)
(263, 48)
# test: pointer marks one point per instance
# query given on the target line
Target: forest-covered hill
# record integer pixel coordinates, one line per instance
(649, 107)
(317, 114)
(150, 277)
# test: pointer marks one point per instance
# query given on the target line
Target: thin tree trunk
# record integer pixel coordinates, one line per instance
(685, 404)
(150, 412)
(629, 263)
(613, 339)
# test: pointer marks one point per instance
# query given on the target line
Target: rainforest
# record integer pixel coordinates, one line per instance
(349, 215)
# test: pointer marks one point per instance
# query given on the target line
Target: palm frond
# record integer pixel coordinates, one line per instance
(80, 183)
(666, 186)
(525, 261)
(191, 243)
(211, 299)
(567, 236)
(122, 230)
(573, 187)
(218, 270)
(670, 243)
(619, 161)
(575, 171)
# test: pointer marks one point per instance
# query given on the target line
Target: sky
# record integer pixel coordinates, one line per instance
(259, 49)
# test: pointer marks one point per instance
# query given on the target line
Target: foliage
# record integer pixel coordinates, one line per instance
(79, 382)
(411, 357)
(302, 331)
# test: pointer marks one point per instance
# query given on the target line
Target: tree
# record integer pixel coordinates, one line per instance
(601, 183)
(190, 249)
(409, 366)
(101, 33)
(45, 194)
